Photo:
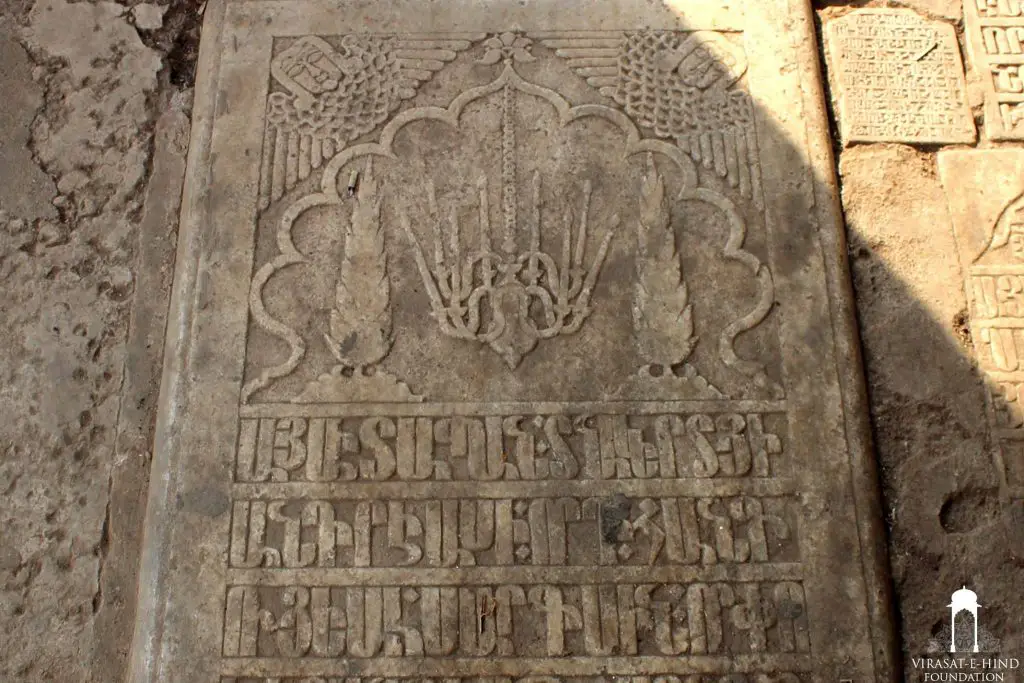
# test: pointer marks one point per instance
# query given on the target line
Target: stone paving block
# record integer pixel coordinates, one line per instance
(994, 29)
(985, 190)
(511, 341)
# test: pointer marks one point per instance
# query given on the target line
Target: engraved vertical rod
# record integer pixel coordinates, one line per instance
(292, 160)
(453, 218)
(316, 153)
(432, 206)
(485, 237)
(563, 274)
(266, 169)
(456, 249)
(278, 173)
(581, 239)
(508, 170)
(305, 164)
(535, 226)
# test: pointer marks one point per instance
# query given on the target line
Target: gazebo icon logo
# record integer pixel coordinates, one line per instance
(963, 600)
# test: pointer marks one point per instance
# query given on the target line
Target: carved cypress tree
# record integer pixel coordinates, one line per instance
(361, 332)
(662, 314)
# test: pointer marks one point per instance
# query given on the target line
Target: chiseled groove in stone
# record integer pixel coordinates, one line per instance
(518, 666)
(501, 408)
(474, 576)
(648, 488)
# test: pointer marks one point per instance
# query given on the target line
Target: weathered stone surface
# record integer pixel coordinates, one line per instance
(28, 192)
(986, 207)
(931, 432)
(941, 9)
(504, 343)
(148, 17)
(67, 285)
(994, 51)
(129, 474)
(898, 77)
(94, 148)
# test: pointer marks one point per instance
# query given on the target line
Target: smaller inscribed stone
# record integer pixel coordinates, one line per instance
(994, 29)
(898, 77)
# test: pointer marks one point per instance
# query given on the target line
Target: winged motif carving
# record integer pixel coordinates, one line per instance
(1008, 230)
(332, 95)
(682, 86)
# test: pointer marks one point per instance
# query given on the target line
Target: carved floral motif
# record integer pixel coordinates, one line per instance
(514, 295)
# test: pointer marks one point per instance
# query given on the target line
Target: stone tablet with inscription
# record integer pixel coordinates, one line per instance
(985, 189)
(511, 342)
(995, 30)
(898, 77)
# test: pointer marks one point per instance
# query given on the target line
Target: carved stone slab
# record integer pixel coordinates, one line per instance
(986, 200)
(511, 343)
(994, 48)
(898, 77)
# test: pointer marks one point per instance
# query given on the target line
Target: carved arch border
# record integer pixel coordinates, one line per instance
(567, 113)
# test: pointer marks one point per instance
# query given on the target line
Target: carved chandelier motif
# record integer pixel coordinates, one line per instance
(510, 297)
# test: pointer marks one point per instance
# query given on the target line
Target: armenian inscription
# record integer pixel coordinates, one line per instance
(988, 220)
(489, 373)
(899, 78)
(995, 29)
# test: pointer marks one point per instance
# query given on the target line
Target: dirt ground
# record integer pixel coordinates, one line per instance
(93, 133)
(947, 525)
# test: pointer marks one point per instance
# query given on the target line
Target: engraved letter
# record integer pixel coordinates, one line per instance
(328, 624)
(706, 462)
(254, 453)
(365, 612)
(401, 525)
(560, 617)
(294, 629)
(563, 464)
(762, 444)
(792, 617)
(682, 535)
(241, 621)
(415, 448)
(372, 433)
(440, 618)
(727, 550)
(440, 532)
(400, 640)
(600, 619)
(325, 444)
(704, 605)
(248, 535)
(506, 597)
(295, 552)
